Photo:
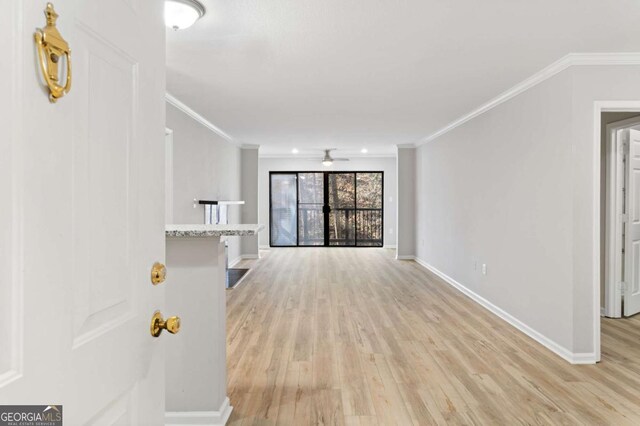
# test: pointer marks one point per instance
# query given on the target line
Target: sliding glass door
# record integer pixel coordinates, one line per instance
(326, 209)
(283, 206)
(342, 209)
(310, 209)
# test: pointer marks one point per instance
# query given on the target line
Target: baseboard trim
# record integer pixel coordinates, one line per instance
(235, 261)
(561, 351)
(390, 246)
(405, 257)
(250, 256)
(199, 418)
(267, 247)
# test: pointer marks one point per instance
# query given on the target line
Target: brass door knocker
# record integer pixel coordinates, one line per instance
(51, 48)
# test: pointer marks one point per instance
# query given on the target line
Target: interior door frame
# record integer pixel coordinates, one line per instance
(614, 218)
(598, 108)
(325, 174)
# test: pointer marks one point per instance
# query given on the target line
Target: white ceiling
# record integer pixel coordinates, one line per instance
(350, 74)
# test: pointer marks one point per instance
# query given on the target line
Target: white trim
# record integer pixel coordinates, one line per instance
(235, 261)
(209, 418)
(624, 58)
(264, 247)
(242, 257)
(197, 117)
(613, 225)
(573, 358)
(603, 312)
(405, 257)
(168, 175)
(17, 172)
(598, 108)
(390, 246)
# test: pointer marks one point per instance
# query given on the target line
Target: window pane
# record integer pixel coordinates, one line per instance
(369, 190)
(342, 228)
(311, 225)
(311, 188)
(310, 216)
(369, 228)
(342, 190)
(283, 210)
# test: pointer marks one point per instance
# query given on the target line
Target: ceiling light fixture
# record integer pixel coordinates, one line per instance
(181, 14)
(294, 151)
(364, 150)
(327, 160)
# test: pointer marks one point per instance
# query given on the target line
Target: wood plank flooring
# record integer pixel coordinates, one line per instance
(353, 337)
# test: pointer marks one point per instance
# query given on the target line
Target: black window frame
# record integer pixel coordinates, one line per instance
(326, 174)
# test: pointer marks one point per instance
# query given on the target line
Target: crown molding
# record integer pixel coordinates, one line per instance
(572, 59)
(197, 117)
(406, 145)
(249, 146)
(319, 156)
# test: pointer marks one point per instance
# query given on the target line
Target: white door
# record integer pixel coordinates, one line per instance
(82, 213)
(631, 290)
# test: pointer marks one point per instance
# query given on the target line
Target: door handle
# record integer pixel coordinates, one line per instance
(158, 323)
(158, 273)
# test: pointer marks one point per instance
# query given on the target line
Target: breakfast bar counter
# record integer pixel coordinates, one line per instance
(195, 291)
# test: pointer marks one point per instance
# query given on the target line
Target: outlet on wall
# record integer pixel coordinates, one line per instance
(484, 269)
(391, 231)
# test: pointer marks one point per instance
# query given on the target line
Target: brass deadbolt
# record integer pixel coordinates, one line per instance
(158, 323)
(158, 273)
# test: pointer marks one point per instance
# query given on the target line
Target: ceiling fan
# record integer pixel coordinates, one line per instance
(328, 160)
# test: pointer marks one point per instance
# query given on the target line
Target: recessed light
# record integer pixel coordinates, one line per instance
(364, 150)
(294, 151)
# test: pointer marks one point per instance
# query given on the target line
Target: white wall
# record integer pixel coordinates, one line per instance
(406, 166)
(514, 188)
(249, 191)
(205, 166)
(385, 164)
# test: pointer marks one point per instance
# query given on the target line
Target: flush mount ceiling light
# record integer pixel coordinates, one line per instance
(181, 14)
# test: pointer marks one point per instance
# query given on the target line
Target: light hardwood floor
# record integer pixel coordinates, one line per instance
(354, 337)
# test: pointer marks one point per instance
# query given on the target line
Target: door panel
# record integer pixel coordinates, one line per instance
(87, 214)
(10, 282)
(283, 203)
(310, 209)
(342, 214)
(632, 232)
(342, 227)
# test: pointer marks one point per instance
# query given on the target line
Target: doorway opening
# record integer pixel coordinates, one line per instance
(620, 290)
(341, 209)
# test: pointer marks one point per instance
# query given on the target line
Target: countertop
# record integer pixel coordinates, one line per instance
(241, 230)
